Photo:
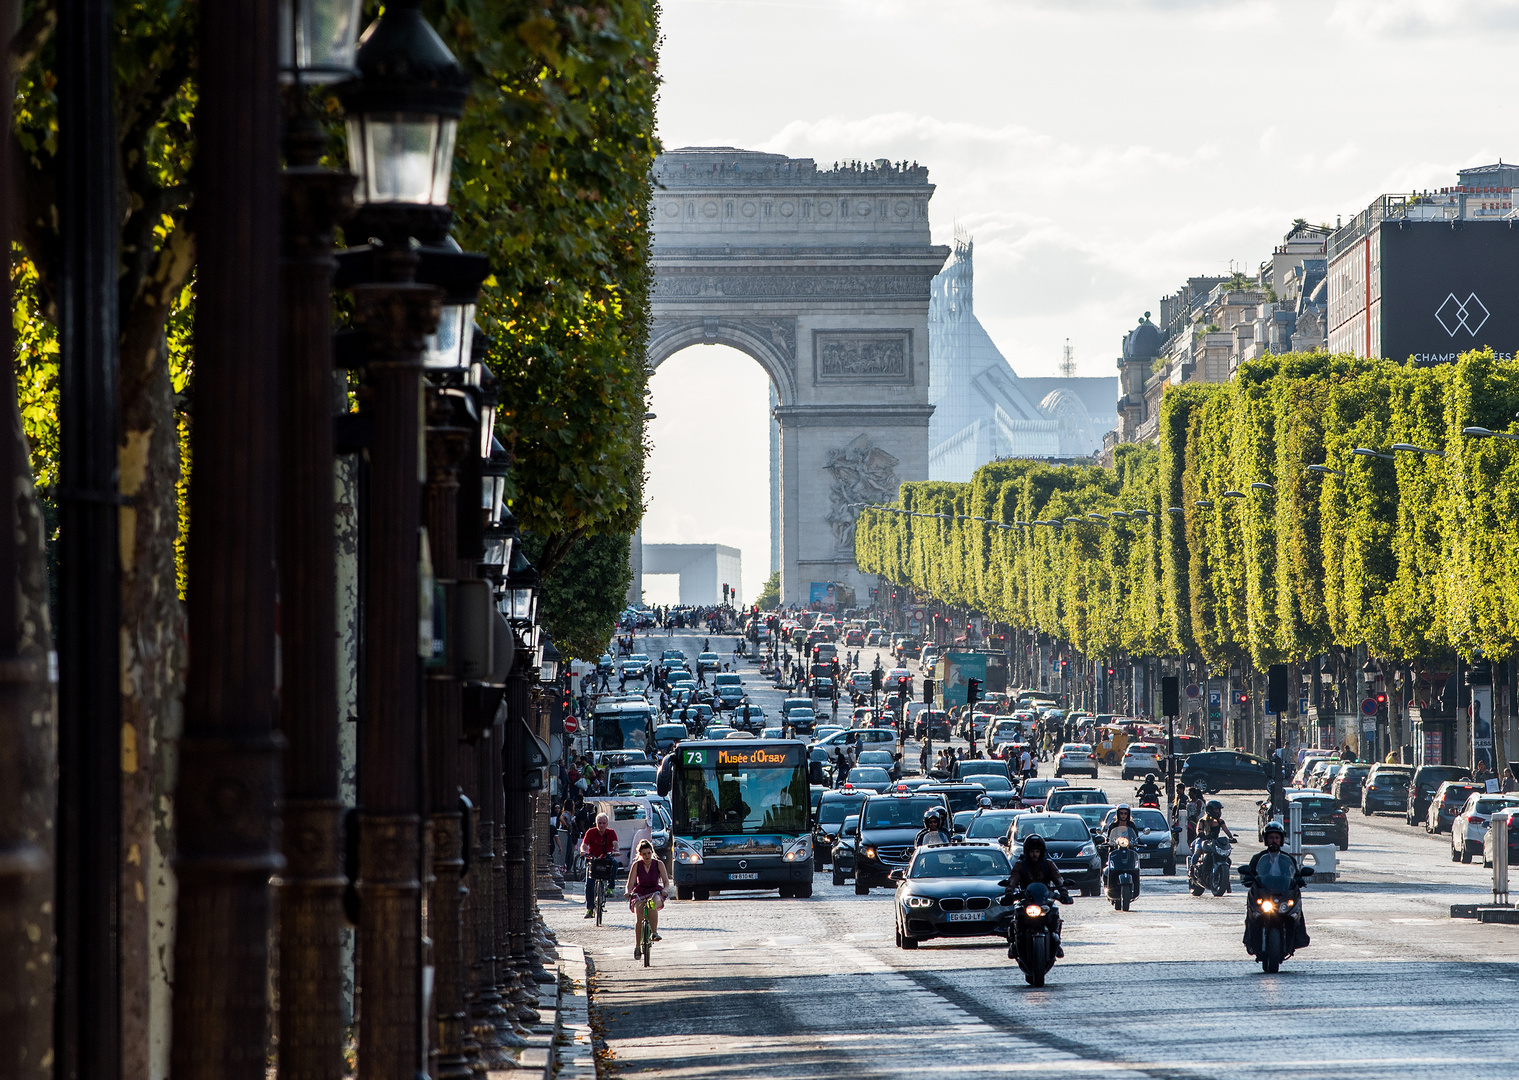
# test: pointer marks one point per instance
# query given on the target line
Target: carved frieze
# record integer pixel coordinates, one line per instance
(862, 473)
(677, 283)
(861, 356)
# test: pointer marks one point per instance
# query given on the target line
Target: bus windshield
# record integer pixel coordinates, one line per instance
(741, 790)
(620, 731)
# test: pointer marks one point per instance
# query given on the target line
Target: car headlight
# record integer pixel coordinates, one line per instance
(1087, 852)
(687, 852)
(919, 902)
(870, 852)
(798, 849)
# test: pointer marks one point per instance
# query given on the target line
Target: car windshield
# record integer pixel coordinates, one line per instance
(1488, 806)
(991, 824)
(1092, 814)
(1149, 820)
(1076, 748)
(982, 768)
(959, 862)
(1390, 779)
(1354, 772)
(894, 813)
(868, 776)
(1051, 827)
(876, 757)
(1038, 789)
(836, 810)
(995, 783)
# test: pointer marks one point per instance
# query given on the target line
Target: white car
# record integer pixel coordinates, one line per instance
(1075, 757)
(926, 661)
(1489, 848)
(1469, 828)
(1139, 759)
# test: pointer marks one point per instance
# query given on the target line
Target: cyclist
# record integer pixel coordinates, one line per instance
(599, 846)
(646, 878)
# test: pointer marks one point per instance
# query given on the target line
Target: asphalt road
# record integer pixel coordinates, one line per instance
(749, 985)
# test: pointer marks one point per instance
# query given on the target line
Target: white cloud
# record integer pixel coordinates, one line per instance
(1417, 17)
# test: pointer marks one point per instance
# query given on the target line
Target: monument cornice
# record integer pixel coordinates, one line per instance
(845, 414)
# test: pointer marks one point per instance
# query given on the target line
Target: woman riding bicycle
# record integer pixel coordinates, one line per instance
(646, 878)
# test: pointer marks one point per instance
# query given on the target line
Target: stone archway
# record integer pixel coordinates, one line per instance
(822, 276)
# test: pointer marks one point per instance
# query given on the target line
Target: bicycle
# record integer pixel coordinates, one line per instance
(602, 883)
(646, 939)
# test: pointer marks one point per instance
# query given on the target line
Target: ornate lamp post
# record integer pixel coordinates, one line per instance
(519, 603)
(401, 114)
(317, 39)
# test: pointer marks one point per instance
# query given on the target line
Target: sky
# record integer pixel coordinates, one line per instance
(1099, 151)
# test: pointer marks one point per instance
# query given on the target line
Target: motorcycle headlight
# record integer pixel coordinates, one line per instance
(686, 852)
(1268, 906)
(1087, 852)
(1033, 911)
(1123, 841)
(1289, 903)
(799, 849)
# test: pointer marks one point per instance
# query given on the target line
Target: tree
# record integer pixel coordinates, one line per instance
(585, 593)
(770, 595)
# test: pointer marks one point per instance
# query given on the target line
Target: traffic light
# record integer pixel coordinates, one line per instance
(875, 680)
(1242, 698)
(1381, 699)
(972, 691)
(1110, 673)
(928, 691)
(725, 592)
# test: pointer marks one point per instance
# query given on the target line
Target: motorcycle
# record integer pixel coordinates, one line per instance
(1031, 938)
(1275, 900)
(1210, 869)
(1122, 873)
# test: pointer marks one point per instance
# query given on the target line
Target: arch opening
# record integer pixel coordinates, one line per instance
(712, 471)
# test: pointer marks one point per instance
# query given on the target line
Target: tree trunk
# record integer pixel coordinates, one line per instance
(152, 689)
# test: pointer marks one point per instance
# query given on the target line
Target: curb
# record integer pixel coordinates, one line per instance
(575, 1053)
(1488, 913)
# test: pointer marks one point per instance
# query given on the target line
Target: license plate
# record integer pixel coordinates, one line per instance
(966, 916)
(743, 877)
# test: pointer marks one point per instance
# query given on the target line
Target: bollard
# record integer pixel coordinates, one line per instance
(1499, 828)
(1295, 827)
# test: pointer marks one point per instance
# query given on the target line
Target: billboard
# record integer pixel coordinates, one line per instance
(823, 596)
(953, 669)
(1484, 763)
(1448, 288)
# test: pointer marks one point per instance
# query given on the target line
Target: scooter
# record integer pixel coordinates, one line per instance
(1122, 873)
(1275, 901)
(1031, 938)
(1210, 868)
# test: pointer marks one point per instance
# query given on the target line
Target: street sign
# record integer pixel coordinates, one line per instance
(916, 614)
(571, 725)
(1193, 690)
(1302, 706)
(1369, 706)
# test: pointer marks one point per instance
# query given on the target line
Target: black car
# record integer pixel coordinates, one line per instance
(1067, 841)
(972, 768)
(1217, 770)
(957, 797)
(889, 827)
(1156, 845)
(933, 723)
(1324, 821)
(1386, 789)
(1427, 778)
(834, 807)
(844, 846)
(952, 891)
(1346, 788)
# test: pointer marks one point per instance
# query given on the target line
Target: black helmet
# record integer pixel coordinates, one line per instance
(1274, 826)
(1214, 807)
(1149, 778)
(931, 813)
(1034, 845)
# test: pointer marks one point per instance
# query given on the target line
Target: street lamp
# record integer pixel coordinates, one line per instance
(548, 671)
(1410, 448)
(1261, 485)
(519, 595)
(1232, 494)
(1203, 504)
(317, 39)
(459, 274)
(403, 114)
(1364, 451)
(1324, 470)
(1485, 433)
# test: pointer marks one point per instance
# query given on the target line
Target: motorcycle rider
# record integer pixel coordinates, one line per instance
(1273, 860)
(1194, 813)
(1210, 826)
(933, 832)
(1036, 865)
(1149, 790)
(1123, 825)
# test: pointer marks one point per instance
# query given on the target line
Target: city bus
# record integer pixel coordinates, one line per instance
(622, 725)
(742, 818)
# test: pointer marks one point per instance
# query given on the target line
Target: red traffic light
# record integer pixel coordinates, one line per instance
(1381, 699)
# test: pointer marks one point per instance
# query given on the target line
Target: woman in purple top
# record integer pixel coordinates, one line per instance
(646, 877)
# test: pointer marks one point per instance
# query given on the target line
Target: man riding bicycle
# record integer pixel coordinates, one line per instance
(599, 846)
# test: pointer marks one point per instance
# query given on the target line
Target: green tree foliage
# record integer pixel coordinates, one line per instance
(552, 182)
(1238, 552)
(770, 596)
(582, 598)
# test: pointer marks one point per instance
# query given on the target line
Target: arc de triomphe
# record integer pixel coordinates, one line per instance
(822, 276)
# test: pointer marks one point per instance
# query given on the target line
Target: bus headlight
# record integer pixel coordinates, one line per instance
(686, 852)
(799, 849)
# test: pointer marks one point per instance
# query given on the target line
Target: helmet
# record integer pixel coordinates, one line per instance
(1034, 845)
(1274, 826)
(983, 803)
(1124, 806)
(1214, 807)
(1149, 778)
(931, 813)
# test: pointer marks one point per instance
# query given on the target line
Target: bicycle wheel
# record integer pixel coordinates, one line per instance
(601, 899)
(648, 934)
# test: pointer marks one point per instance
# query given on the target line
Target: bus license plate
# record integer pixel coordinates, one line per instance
(743, 877)
(965, 916)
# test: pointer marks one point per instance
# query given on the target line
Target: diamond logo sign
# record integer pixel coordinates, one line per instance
(1469, 314)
